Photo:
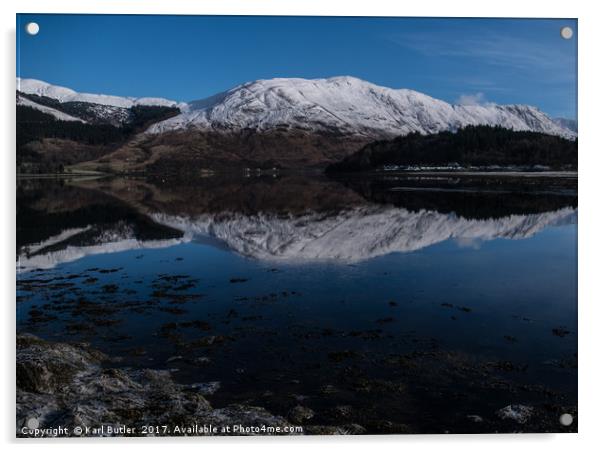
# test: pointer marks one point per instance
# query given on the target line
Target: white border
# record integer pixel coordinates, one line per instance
(590, 78)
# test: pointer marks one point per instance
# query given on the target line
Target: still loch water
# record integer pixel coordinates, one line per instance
(405, 303)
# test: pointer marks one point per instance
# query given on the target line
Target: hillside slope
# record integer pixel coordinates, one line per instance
(472, 146)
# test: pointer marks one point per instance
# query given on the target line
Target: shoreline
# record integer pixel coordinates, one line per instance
(243, 173)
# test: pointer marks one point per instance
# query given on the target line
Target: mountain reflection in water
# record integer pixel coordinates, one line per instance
(292, 219)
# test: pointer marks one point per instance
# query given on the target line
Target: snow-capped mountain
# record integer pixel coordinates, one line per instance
(570, 124)
(350, 106)
(67, 105)
(344, 105)
(62, 94)
(284, 122)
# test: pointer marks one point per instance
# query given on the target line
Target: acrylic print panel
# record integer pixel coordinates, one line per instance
(295, 225)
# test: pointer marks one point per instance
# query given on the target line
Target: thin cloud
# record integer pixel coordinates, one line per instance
(471, 99)
(494, 49)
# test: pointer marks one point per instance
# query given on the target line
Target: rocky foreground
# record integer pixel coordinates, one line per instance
(73, 390)
(67, 386)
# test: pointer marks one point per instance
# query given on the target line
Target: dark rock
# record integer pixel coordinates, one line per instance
(474, 418)
(45, 369)
(300, 414)
(518, 413)
(344, 411)
(65, 385)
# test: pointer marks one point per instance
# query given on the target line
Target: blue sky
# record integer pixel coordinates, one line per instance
(192, 57)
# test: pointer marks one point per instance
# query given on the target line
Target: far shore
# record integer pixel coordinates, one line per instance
(458, 173)
(472, 173)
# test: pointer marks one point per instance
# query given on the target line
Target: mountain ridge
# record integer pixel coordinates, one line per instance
(268, 103)
(350, 105)
(282, 123)
(64, 94)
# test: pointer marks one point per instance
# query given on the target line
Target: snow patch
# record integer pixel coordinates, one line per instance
(48, 110)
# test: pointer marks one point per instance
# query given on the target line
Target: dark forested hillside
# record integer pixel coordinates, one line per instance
(34, 125)
(473, 146)
(46, 144)
(132, 118)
